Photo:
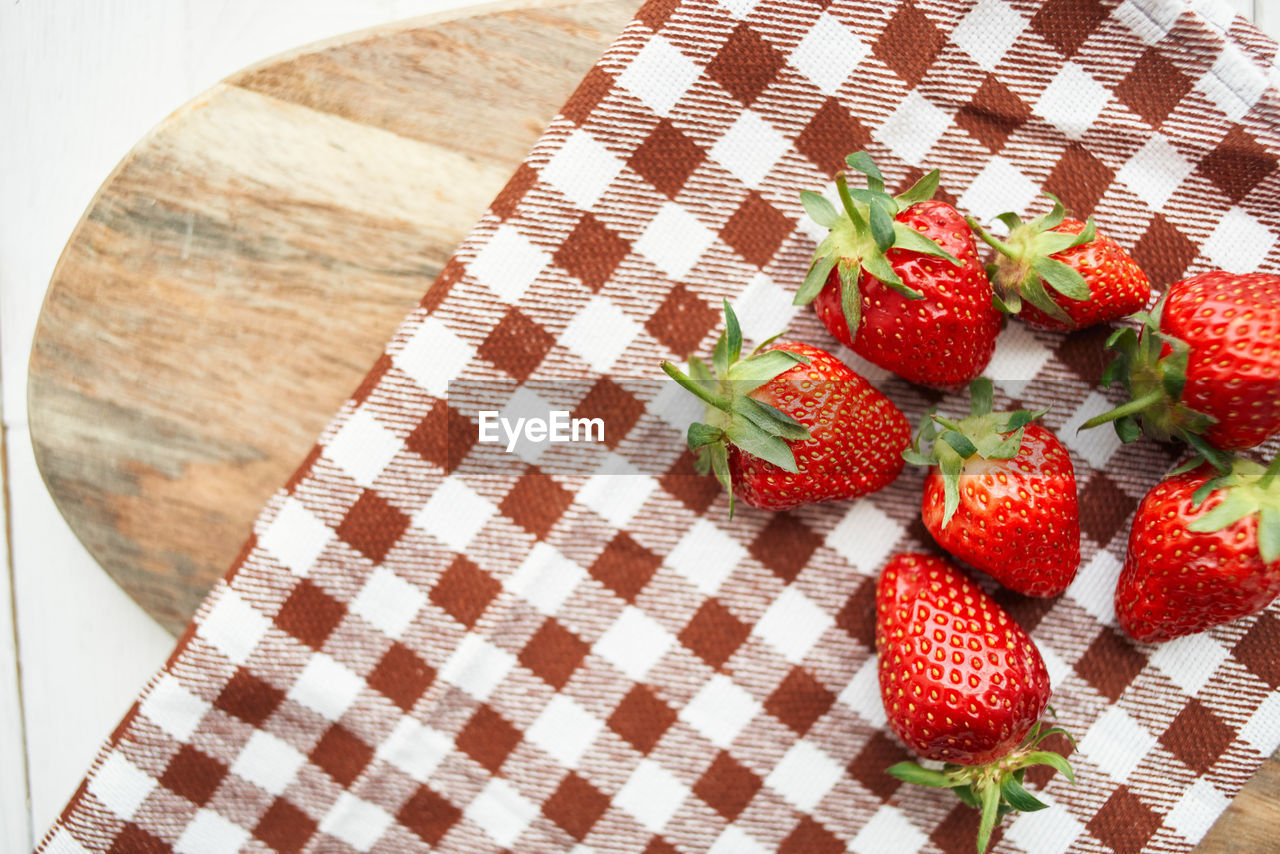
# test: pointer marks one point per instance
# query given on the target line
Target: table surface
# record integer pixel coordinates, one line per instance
(83, 88)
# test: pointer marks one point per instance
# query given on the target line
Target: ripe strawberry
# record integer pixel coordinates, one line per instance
(1205, 367)
(898, 280)
(962, 683)
(1063, 274)
(791, 424)
(1001, 495)
(1204, 549)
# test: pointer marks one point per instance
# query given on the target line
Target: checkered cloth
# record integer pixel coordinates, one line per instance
(415, 652)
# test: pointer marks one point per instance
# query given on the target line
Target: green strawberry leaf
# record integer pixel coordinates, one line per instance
(1062, 278)
(950, 464)
(1233, 508)
(1128, 429)
(906, 237)
(700, 373)
(733, 332)
(1018, 797)
(703, 434)
(990, 798)
(1054, 217)
(1269, 533)
(882, 230)
(754, 440)
(910, 772)
(921, 191)
(718, 453)
(771, 419)
(749, 374)
(878, 265)
(815, 279)
(982, 396)
(850, 297)
(1010, 219)
(819, 208)
(861, 161)
(961, 443)
(1055, 760)
(966, 796)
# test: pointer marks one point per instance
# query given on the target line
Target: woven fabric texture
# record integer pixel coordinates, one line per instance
(427, 646)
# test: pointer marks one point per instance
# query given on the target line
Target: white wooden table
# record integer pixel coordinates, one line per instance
(78, 87)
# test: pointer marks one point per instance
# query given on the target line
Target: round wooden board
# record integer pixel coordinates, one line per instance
(242, 268)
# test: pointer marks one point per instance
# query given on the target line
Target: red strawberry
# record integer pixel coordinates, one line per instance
(963, 684)
(791, 424)
(898, 280)
(1205, 367)
(1001, 495)
(1204, 549)
(1063, 274)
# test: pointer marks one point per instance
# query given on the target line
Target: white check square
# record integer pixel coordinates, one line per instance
(433, 356)
(1051, 831)
(862, 694)
(1155, 171)
(1190, 661)
(582, 169)
(828, 53)
(600, 332)
(764, 308)
(888, 830)
(1197, 810)
(1098, 444)
(749, 148)
(865, 536)
(735, 840)
(720, 710)
(634, 643)
(804, 775)
(295, 537)
(652, 794)
(326, 686)
(618, 495)
(1116, 743)
(232, 626)
(706, 556)
(454, 514)
(1263, 729)
(501, 812)
(508, 263)
(674, 240)
(1018, 359)
(988, 31)
(564, 730)
(415, 749)
(792, 624)
(659, 75)
(1072, 101)
(914, 127)
(477, 666)
(210, 833)
(173, 708)
(1094, 587)
(388, 602)
(1234, 84)
(546, 578)
(120, 785)
(356, 822)
(999, 187)
(1239, 243)
(362, 447)
(268, 762)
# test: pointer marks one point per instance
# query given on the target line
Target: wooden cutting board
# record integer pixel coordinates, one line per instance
(242, 268)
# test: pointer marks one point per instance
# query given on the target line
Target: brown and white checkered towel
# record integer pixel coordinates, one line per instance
(421, 649)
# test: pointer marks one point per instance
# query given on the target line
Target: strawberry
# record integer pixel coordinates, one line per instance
(898, 280)
(1063, 274)
(1204, 549)
(963, 684)
(1001, 495)
(1205, 366)
(790, 424)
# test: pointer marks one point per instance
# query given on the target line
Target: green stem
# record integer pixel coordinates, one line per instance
(695, 387)
(998, 245)
(1269, 475)
(1131, 408)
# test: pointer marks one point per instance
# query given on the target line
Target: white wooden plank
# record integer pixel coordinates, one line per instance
(15, 820)
(86, 648)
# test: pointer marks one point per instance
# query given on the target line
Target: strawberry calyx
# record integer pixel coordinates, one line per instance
(996, 787)
(862, 233)
(1151, 365)
(733, 416)
(982, 435)
(1249, 489)
(1025, 268)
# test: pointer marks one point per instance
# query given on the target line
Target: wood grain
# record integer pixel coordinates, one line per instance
(238, 273)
